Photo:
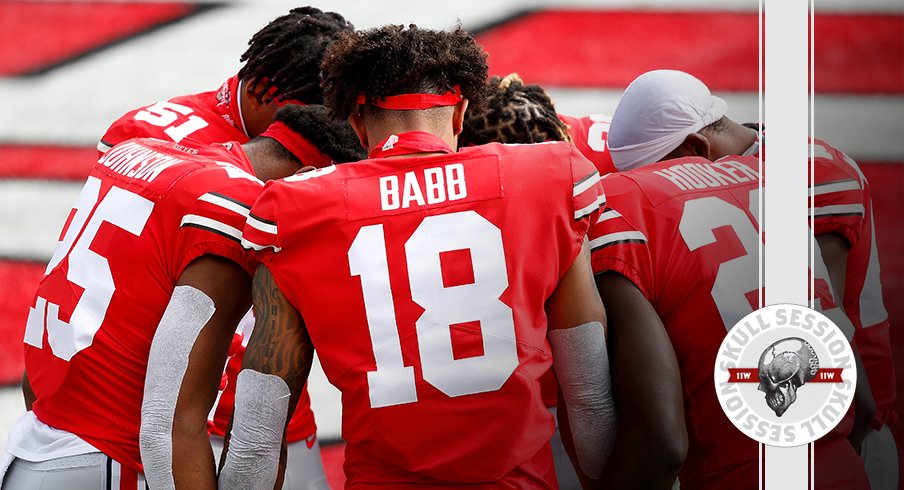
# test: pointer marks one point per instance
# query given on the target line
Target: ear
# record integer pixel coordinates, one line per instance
(694, 145)
(458, 116)
(357, 124)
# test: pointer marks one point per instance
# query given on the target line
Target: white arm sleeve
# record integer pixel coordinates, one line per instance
(258, 423)
(582, 368)
(186, 314)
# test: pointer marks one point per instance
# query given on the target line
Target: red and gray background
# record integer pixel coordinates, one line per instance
(68, 69)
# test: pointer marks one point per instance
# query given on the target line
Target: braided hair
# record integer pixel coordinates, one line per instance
(286, 54)
(334, 138)
(394, 60)
(514, 113)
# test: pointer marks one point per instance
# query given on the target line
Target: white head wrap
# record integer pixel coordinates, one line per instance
(658, 110)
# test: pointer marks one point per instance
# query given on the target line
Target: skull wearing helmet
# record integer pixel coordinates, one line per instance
(784, 367)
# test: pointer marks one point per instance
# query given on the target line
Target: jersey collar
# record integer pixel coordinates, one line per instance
(410, 143)
(229, 103)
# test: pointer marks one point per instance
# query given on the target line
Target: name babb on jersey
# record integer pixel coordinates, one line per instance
(147, 210)
(422, 282)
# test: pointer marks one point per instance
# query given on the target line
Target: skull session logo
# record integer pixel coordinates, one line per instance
(785, 375)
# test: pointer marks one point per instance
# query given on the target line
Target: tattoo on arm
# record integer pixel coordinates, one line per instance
(280, 343)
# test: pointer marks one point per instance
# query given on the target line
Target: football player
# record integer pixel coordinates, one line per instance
(436, 286)
(281, 66)
(140, 302)
(520, 113)
(675, 253)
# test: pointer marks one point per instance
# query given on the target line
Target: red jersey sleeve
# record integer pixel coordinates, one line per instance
(213, 225)
(587, 192)
(619, 245)
(838, 198)
(260, 232)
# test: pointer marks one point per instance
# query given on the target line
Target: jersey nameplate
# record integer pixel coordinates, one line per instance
(434, 183)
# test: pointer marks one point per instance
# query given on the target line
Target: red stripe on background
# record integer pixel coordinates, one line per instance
(854, 53)
(19, 280)
(36, 35)
(46, 162)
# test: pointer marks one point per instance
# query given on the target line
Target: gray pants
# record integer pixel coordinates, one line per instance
(94, 471)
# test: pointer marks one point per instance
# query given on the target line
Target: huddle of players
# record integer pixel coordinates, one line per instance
(674, 257)
(438, 286)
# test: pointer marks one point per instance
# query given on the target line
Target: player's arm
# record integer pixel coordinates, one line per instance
(184, 370)
(576, 334)
(27, 392)
(276, 366)
(834, 251)
(652, 438)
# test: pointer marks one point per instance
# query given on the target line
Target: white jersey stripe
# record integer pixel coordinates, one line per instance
(829, 188)
(257, 248)
(586, 184)
(102, 147)
(261, 225)
(142, 483)
(607, 215)
(204, 222)
(620, 236)
(838, 209)
(224, 203)
(580, 213)
(115, 475)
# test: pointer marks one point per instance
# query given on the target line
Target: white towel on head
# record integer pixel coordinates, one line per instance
(658, 110)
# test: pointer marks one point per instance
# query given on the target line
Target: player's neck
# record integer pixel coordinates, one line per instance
(268, 164)
(383, 126)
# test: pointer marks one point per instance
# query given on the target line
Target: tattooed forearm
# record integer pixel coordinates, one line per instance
(280, 343)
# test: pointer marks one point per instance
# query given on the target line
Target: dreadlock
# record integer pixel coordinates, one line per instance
(514, 113)
(335, 138)
(286, 54)
(394, 60)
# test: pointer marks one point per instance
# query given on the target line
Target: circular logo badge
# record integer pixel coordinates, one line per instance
(785, 375)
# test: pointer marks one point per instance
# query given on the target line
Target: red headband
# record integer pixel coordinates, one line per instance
(410, 102)
(303, 149)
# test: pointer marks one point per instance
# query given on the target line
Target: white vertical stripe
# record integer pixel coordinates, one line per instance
(115, 475)
(786, 192)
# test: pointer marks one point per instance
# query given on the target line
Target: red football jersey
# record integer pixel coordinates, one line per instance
(590, 135)
(685, 232)
(842, 205)
(422, 282)
(208, 117)
(147, 210)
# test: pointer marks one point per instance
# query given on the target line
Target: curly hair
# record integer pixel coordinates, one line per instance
(514, 113)
(394, 60)
(335, 138)
(285, 55)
